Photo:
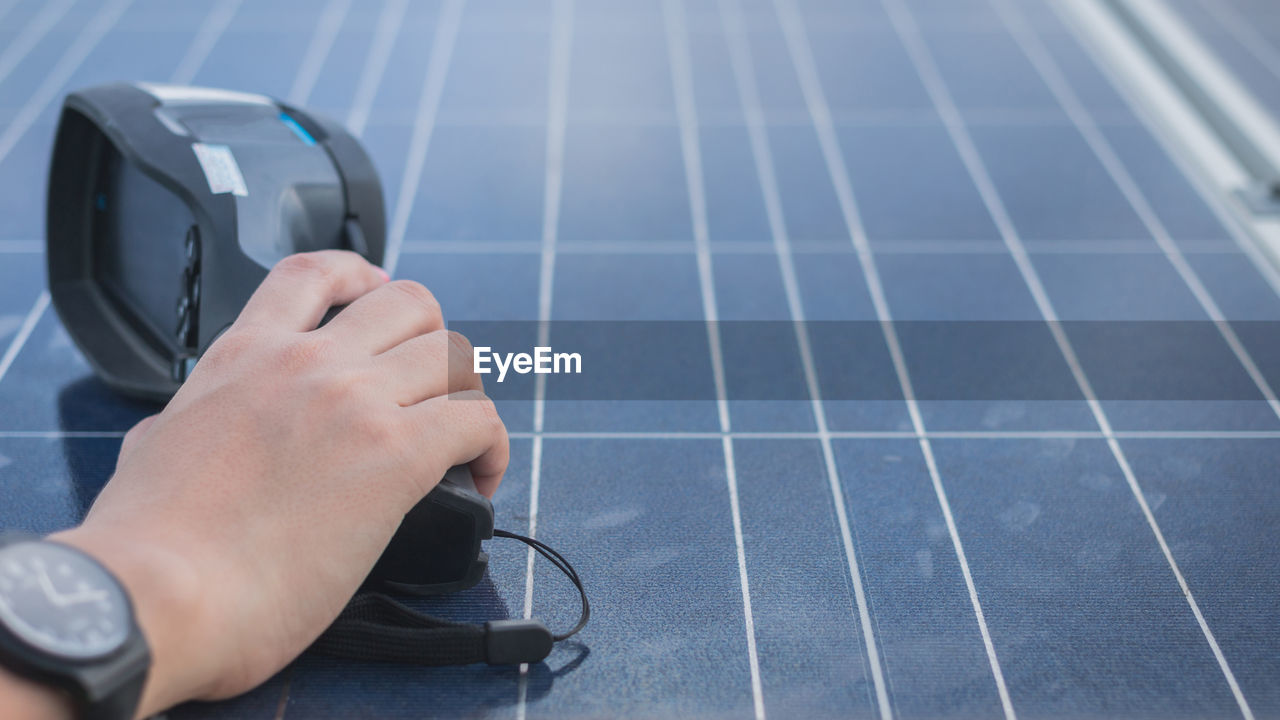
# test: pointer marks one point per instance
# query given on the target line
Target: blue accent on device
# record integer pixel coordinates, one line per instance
(297, 129)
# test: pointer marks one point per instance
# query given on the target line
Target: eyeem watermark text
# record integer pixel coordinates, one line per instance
(542, 362)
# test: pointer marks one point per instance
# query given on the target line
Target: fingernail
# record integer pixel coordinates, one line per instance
(383, 273)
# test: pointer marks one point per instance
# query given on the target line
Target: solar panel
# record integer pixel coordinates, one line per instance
(822, 165)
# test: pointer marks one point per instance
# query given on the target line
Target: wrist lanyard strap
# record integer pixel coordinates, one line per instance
(374, 626)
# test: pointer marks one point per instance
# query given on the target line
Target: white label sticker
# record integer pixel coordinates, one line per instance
(220, 169)
(185, 94)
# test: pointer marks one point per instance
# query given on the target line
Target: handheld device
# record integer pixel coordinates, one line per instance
(167, 206)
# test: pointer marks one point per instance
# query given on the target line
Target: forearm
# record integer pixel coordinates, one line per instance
(22, 699)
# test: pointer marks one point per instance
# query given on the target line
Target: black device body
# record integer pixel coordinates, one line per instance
(167, 206)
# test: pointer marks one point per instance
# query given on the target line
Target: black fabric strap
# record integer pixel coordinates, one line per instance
(376, 627)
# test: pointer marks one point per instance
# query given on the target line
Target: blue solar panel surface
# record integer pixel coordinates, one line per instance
(751, 160)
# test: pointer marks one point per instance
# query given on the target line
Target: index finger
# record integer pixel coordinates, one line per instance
(301, 288)
(464, 429)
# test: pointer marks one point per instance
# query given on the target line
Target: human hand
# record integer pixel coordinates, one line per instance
(244, 516)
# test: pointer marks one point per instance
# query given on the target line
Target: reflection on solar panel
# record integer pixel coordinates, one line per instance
(753, 160)
(1246, 37)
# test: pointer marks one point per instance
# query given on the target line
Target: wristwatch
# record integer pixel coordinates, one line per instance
(66, 622)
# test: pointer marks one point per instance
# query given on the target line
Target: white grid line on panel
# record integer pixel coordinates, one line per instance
(24, 332)
(429, 104)
(79, 48)
(317, 52)
(390, 20)
(211, 30)
(686, 111)
(557, 123)
(30, 35)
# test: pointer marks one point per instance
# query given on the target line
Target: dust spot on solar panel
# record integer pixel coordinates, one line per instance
(924, 564)
(9, 324)
(1098, 556)
(1154, 499)
(1182, 466)
(611, 519)
(4, 461)
(1095, 481)
(1002, 413)
(59, 340)
(935, 530)
(647, 560)
(1020, 515)
(1057, 448)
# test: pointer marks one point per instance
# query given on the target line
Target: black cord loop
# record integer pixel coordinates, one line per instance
(563, 565)
(375, 626)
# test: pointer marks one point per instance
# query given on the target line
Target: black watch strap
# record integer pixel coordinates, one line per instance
(121, 704)
(101, 687)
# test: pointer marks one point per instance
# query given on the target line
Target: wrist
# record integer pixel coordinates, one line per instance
(23, 698)
(167, 602)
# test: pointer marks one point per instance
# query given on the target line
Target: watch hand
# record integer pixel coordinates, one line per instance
(46, 584)
(59, 599)
(83, 596)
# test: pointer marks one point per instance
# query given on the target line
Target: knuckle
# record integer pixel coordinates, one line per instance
(418, 293)
(234, 343)
(130, 439)
(336, 391)
(307, 352)
(316, 264)
(487, 413)
(140, 427)
(378, 430)
(459, 343)
(459, 368)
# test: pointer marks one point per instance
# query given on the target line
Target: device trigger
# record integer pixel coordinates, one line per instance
(509, 642)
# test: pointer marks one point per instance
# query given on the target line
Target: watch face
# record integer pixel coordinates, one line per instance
(61, 602)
